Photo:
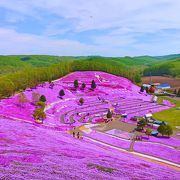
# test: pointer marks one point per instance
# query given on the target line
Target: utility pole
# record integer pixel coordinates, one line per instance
(150, 79)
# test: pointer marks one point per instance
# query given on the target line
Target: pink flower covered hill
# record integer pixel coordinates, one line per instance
(48, 151)
(30, 152)
(109, 87)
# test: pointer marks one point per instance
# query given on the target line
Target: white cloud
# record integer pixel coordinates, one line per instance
(125, 26)
(13, 42)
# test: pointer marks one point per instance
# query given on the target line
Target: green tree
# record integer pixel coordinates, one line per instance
(168, 130)
(61, 93)
(137, 78)
(81, 101)
(41, 104)
(93, 84)
(42, 98)
(141, 123)
(76, 83)
(39, 114)
(148, 132)
(162, 129)
(83, 86)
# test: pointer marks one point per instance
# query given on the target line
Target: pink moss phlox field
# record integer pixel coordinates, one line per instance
(109, 87)
(35, 151)
(157, 150)
(30, 152)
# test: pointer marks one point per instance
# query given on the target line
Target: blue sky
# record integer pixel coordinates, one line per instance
(96, 27)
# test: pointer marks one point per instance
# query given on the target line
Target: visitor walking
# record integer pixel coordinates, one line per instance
(78, 135)
(73, 134)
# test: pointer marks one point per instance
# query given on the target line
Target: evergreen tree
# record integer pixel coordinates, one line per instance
(76, 83)
(93, 84)
(83, 86)
(42, 98)
(81, 101)
(61, 93)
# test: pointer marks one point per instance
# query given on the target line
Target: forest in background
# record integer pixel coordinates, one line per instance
(23, 71)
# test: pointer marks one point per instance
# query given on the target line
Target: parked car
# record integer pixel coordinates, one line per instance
(159, 122)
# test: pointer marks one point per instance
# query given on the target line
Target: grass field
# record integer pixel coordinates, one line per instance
(171, 115)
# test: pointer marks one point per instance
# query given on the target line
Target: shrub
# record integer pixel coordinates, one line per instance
(81, 100)
(168, 130)
(41, 104)
(83, 85)
(61, 93)
(42, 98)
(76, 84)
(93, 84)
(39, 114)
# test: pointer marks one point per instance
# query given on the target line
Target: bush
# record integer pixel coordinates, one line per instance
(83, 85)
(81, 100)
(61, 93)
(93, 84)
(76, 84)
(39, 114)
(41, 104)
(165, 129)
(42, 98)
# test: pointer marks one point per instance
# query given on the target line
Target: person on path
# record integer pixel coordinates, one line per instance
(78, 135)
(73, 134)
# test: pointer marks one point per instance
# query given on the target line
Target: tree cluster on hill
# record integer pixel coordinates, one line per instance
(170, 68)
(165, 129)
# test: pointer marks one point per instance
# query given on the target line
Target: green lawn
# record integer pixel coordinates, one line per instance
(172, 115)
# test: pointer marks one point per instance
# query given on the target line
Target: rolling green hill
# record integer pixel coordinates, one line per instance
(171, 68)
(160, 65)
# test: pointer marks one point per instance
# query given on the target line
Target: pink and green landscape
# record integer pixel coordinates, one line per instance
(89, 89)
(48, 150)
